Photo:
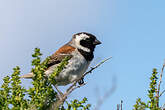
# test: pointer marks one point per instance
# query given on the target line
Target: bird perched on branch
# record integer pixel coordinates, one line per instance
(81, 50)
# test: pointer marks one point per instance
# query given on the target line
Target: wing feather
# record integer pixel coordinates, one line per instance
(60, 54)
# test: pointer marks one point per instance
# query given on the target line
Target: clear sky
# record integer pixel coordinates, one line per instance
(131, 31)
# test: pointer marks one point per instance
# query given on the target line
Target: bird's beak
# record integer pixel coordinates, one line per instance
(96, 42)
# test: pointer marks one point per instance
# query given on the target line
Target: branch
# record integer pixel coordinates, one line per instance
(120, 106)
(58, 103)
(163, 107)
(160, 81)
(90, 71)
(162, 93)
(106, 95)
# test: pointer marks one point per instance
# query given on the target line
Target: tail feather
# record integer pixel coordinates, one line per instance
(28, 75)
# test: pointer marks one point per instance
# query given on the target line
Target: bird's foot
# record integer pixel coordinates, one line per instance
(81, 81)
(60, 94)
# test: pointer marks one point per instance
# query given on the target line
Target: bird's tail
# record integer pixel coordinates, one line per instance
(28, 75)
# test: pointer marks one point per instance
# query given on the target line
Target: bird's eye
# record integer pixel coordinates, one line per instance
(88, 40)
(74, 36)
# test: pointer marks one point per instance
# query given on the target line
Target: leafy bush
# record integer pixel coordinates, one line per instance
(41, 95)
(153, 94)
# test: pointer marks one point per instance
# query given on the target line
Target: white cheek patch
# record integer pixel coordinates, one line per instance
(78, 39)
(81, 36)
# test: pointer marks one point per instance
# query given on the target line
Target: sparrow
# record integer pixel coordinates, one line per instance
(81, 50)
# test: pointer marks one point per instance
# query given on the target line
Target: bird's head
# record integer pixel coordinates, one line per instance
(85, 41)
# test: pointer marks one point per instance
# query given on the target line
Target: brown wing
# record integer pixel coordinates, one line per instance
(60, 54)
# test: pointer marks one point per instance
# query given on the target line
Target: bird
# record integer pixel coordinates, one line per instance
(80, 49)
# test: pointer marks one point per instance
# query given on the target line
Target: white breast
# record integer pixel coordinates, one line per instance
(77, 65)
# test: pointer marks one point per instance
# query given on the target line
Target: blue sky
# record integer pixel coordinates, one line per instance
(131, 31)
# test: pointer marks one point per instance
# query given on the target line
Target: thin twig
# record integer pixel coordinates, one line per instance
(118, 106)
(59, 93)
(90, 71)
(57, 104)
(160, 81)
(163, 107)
(162, 93)
(92, 68)
(106, 95)
(121, 105)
